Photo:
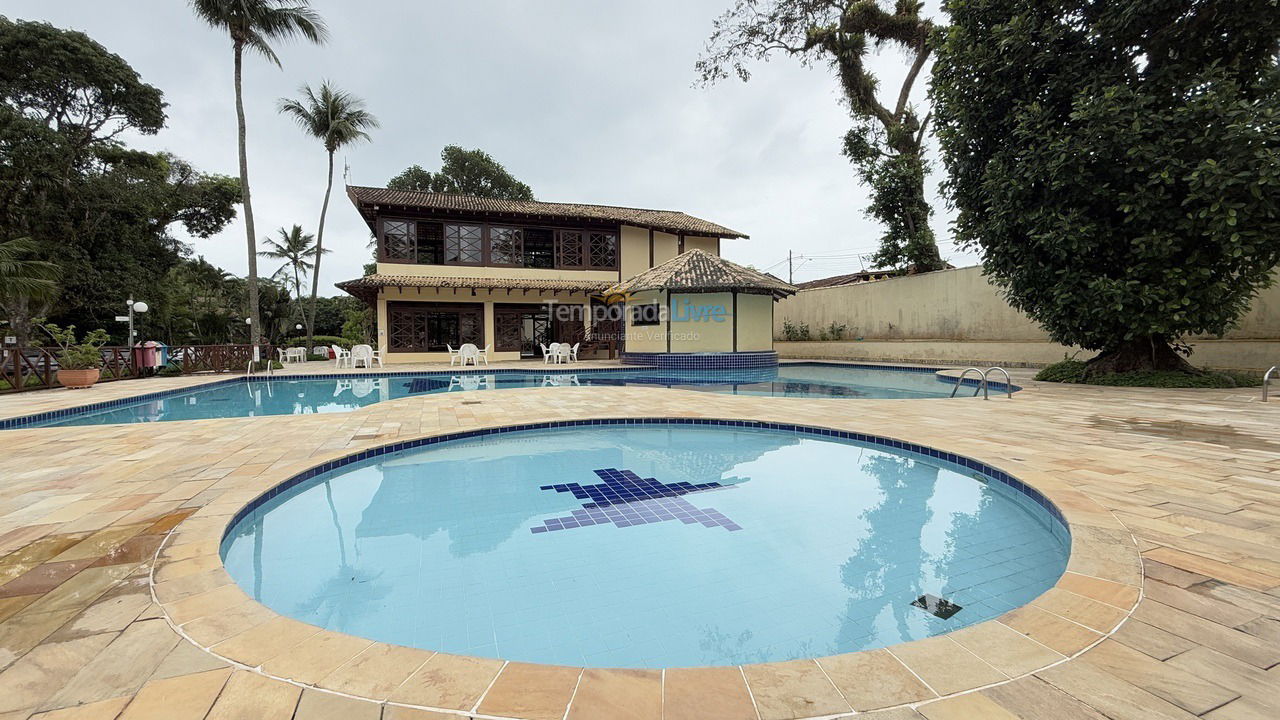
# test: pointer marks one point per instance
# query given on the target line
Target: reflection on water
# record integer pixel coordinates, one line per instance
(265, 396)
(439, 548)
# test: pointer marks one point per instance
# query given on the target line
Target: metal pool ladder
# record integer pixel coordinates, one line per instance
(983, 381)
(1266, 380)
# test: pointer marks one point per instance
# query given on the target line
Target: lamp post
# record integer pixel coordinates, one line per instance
(138, 307)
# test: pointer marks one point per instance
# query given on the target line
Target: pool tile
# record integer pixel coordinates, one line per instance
(618, 695)
(709, 693)
(1080, 609)
(317, 705)
(1050, 630)
(448, 681)
(1104, 591)
(874, 679)
(532, 692)
(177, 698)
(264, 641)
(1005, 649)
(377, 671)
(794, 689)
(250, 695)
(945, 666)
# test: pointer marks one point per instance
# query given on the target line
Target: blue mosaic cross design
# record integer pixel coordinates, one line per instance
(626, 499)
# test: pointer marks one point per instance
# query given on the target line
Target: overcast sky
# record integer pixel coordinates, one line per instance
(585, 101)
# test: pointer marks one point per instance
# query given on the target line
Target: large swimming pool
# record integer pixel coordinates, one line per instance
(649, 545)
(301, 396)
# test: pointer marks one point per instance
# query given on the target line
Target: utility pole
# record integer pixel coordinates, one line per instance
(791, 274)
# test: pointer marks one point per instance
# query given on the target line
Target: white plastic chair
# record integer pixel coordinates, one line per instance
(296, 354)
(453, 355)
(364, 354)
(546, 353)
(567, 353)
(340, 357)
(470, 382)
(554, 350)
(484, 354)
(468, 351)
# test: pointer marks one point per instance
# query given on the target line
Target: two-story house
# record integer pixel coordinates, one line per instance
(454, 269)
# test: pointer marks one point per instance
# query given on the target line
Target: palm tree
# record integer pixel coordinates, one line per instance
(22, 275)
(297, 249)
(22, 280)
(336, 118)
(253, 24)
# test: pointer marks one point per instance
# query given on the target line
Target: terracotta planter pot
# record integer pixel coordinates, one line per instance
(78, 378)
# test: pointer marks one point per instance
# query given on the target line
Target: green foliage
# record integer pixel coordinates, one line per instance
(795, 332)
(1123, 185)
(319, 341)
(76, 355)
(834, 331)
(297, 250)
(470, 172)
(886, 144)
(22, 275)
(101, 212)
(357, 328)
(1076, 371)
(261, 365)
(331, 313)
(253, 24)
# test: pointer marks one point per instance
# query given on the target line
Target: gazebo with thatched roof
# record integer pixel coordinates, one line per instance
(698, 310)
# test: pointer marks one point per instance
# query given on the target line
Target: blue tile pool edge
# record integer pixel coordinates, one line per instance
(24, 421)
(1022, 489)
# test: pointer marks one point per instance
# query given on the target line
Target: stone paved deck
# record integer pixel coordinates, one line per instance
(1193, 475)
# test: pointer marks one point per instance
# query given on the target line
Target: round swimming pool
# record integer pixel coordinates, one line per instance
(649, 544)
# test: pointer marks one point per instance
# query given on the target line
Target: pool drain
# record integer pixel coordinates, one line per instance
(936, 606)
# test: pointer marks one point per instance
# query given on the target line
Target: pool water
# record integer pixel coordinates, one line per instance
(645, 546)
(306, 396)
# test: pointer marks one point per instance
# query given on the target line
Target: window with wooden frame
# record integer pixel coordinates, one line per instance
(464, 244)
(399, 241)
(602, 250)
(432, 327)
(506, 246)
(569, 244)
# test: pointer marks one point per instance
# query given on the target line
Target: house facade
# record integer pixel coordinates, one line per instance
(513, 275)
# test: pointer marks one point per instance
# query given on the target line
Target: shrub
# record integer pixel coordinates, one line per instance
(795, 332)
(72, 355)
(325, 340)
(317, 357)
(834, 331)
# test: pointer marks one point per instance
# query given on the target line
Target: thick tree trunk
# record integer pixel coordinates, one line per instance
(310, 315)
(255, 327)
(1140, 354)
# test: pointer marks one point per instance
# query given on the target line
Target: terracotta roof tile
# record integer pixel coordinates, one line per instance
(699, 270)
(664, 220)
(372, 283)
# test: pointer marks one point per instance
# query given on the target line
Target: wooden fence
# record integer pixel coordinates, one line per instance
(34, 368)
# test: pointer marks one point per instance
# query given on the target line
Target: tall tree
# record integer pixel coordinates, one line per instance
(336, 118)
(886, 143)
(253, 25)
(98, 210)
(469, 172)
(299, 252)
(1116, 162)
